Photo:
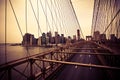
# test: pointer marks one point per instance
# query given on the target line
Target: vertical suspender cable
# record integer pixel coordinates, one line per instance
(60, 15)
(44, 13)
(38, 16)
(26, 14)
(46, 16)
(28, 54)
(52, 15)
(5, 31)
(35, 16)
(38, 21)
(62, 18)
(17, 19)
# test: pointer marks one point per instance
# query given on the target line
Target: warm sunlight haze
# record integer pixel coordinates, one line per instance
(83, 9)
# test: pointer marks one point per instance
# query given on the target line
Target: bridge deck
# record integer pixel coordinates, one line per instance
(80, 61)
(74, 72)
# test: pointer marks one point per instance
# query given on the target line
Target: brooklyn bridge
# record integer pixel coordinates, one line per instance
(56, 53)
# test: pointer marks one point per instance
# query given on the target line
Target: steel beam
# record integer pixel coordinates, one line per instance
(82, 64)
(87, 48)
(89, 53)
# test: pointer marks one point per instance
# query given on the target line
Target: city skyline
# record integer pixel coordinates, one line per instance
(83, 9)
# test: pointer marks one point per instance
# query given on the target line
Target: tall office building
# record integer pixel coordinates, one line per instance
(49, 35)
(56, 38)
(43, 39)
(39, 41)
(74, 37)
(26, 39)
(102, 36)
(96, 36)
(31, 40)
(78, 34)
(62, 39)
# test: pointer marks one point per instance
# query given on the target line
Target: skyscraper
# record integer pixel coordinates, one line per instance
(78, 34)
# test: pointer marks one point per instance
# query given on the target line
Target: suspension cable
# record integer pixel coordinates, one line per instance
(60, 14)
(59, 18)
(47, 16)
(35, 16)
(18, 24)
(93, 18)
(52, 18)
(38, 16)
(52, 15)
(27, 50)
(44, 13)
(16, 18)
(63, 17)
(5, 31)
(76, 17)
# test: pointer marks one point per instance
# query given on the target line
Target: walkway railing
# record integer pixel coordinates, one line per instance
(32, 67)
(42, 65)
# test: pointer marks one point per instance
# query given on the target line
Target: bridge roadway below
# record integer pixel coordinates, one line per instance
(72, 72)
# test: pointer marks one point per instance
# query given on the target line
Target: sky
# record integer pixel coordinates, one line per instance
(83, 9)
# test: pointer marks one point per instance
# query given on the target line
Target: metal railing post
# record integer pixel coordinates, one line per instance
(51, 64)
(9, 74)
(32, 76)
(43, 69)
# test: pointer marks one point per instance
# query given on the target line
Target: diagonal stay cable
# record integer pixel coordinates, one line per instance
(45, 13)
(35, 16)
(38, 16)
(76, 17)
(52, 14)
(18, 26)
(27, 50)
(93, 16)
(16, 18)
(112, 21)
(47, 24)
(57, 14)
(62, 15)
(59, 17)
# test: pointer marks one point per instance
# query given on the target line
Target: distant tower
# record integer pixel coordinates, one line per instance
(74, 37)
(26, 39)
(43, 37)
(96, 35)
(78, 34)
(31, 40)
(39, 41)
(62, 38)
(56, 37)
